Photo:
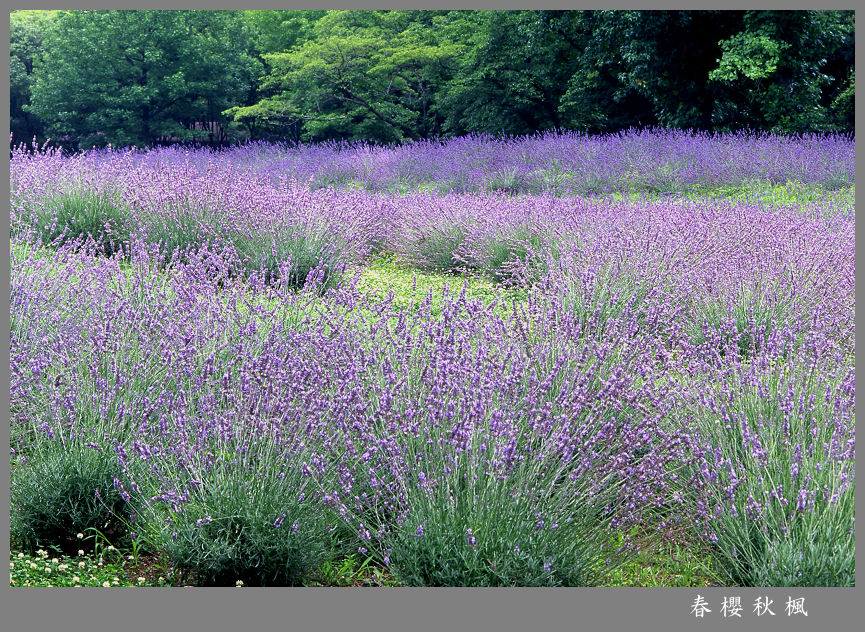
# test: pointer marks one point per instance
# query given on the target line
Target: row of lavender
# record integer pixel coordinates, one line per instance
(569, 162)
(553, 162)
(248, 433)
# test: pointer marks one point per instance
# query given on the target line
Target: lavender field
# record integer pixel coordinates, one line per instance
(473, 362)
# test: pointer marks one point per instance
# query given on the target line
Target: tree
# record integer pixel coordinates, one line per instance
(650, 67)
(364, 74)
(280, 31)
(27, 31)
(512, 74)
(130, 77)
(772, 71)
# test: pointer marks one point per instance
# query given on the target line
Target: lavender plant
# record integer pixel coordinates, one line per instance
(64, 486)
(775, 474)
(239, 510)
(76, 216)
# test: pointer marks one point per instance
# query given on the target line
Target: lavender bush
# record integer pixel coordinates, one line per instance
(774, 473)
(569, 163)
(63, 486)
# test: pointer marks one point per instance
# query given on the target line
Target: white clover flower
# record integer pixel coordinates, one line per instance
(141, 581)
(80, 552)
(80, 536)
(81, 564)
(76, 579)
(239, 583)
(106, 584)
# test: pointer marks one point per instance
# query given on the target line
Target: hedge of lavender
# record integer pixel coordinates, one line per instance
(677, 367)
(566, 162)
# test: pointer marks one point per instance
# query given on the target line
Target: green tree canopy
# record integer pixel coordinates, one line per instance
(129, 77)
(27, 31)
(362, 74)
(132, 77)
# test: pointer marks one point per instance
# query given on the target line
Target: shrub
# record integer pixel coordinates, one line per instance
(746, 325)
(436, 249)
(250, 516)
(82, 215)
(516, 259)
(490, 533)
(294, 256)
(775, 476)
(180, 230)
(598, 297)
(66, 487)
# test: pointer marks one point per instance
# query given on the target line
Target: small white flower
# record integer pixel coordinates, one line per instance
(47, 569)
(76, 579)
(11, 564)
(63, 567)
(20, 556)
(80, 552)
(161, 579)
(141, 581)
(106, 584)
(239, 583)
(33, 565)
(80, 536)
(54, 560)
(111, 547)
(81, 564)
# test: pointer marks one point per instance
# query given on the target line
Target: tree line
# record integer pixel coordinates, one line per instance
(86, 78)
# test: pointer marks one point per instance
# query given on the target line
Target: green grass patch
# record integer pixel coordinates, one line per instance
(410, 286)
(666, 564)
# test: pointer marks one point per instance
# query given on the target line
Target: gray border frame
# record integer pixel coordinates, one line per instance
(217, 609)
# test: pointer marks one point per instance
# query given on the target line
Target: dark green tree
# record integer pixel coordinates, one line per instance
(657, 58)
(773, 71)
(512, 75)
(27, 30)
(131, 77)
